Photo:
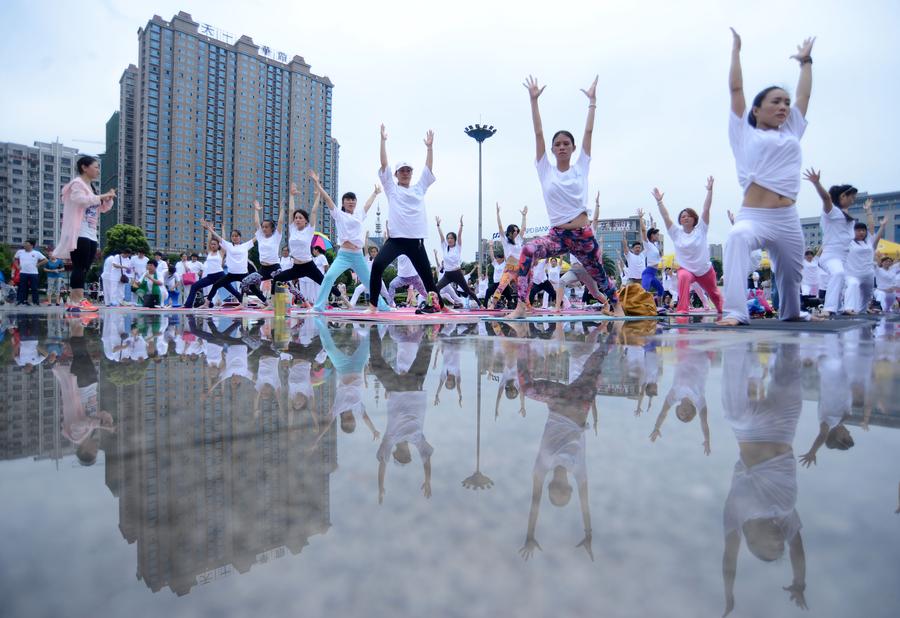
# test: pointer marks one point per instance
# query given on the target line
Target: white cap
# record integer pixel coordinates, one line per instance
(400, 165)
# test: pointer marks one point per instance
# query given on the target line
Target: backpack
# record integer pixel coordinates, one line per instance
(636, 301)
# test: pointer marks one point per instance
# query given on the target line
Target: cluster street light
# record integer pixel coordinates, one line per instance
(479, 133)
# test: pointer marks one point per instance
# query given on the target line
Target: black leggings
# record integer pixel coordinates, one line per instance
(456, 276)
(414, 249)
(299, 271)
(82, 258)
(544, 286)
(412, 380)
(231, 278)
(266, 270)
(202, 283)
(509, 293)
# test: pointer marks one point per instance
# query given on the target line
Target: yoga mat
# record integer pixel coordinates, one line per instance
(586, 317)
(824, 326)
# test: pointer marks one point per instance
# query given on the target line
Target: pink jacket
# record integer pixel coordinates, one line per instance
(77, 197)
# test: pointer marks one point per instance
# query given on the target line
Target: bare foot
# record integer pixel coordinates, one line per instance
(618, 311)
(372, 309)
(729, 322)
(519, 312)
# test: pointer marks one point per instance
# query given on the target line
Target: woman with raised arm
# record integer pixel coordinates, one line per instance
(452, 248)
(300, 237)
(650, 276)
(511, 239)
(860, 264)
(765, 140)
(691, 250)
(565, 189)
(212, 272)
(268, 241)
(236, 261)
(837, 233)
(351, 236)
(406, 212)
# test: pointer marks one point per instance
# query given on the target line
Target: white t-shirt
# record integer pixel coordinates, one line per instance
(512, 250)
(298, 380)
(767, 490)
(195, 266)
(452, 257)
(89, 222)
(553, 274)
(539, 272)
(482, 287)
(810, 272)
(269, 247)
(140, 265)
(29, 353)
(406, 422)
(565, 193)
(350, 227)
(321, 262)
(861, 258)
(236, 257)
(634, 265)
(562, 444)
(651, 252)
(498, 271)
(691, 250)
(405, 267)
(837, 232)
(285, 262)
(213, 263)
(406, 205)
(885, 278)
(771, 159)
(115, 273)
(28, 261)
(300, 243)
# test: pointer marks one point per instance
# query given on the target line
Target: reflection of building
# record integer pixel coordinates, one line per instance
(31, 417)
(884, 205)
(109, 175)
(31, 178)
(206, 486)
(219, 122)
(610, 233)
(715, 252)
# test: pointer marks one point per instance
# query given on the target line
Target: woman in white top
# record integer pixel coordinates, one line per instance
(406, 212)
(511, 241)
(237, 263)
(115, 268)
(650, 277)
(300, 237)
(268, 241)
(837, 232)
(765, 140)
(565, 189)
(212, 272)
(351, 236)
(452, 246)
(809, 284)
(860, 265)
(886, 283)
(692, 250)
(372, 250)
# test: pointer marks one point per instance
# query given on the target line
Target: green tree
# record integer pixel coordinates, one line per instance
(6, 258)
(120, 237)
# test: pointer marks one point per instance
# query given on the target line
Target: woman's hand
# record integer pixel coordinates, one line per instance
(709, 183)
(591, 91)
(657, 195)
(438, 221)
(804, 50)
(294, 189)
(735, 41)
(377, 189)
(524, 211)
(383, 133)
(429, 138)
(256, 205)
(533, 90)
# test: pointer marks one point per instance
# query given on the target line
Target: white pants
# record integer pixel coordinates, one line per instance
(449, 294)
(886, 299)
(858, 293)
(362, 288)
(833, 264)
(113, 290)
(778, 231)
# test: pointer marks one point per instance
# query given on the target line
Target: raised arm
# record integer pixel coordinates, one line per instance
(736, 78)
(317, 205)
(499, 222)
(429, 152)
(870, 216)
(640, 214)
(383, 151)
(596, 218)
(707, 203)
(804, 84)
(279, 222)
(256, 209)
(320, 190)
(875, 241)
(440, 232)
(371, 199)
(209, 228)
(524, 212)
(663, 212)
(533, 93)
(459, 233)
(291, 206)
(591, 94)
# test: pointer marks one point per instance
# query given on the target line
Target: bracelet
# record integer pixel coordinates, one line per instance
(805, 60)
(595, 105)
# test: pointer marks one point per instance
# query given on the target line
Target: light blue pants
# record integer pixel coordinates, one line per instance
(345, 260)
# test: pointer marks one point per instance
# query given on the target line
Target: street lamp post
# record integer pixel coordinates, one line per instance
(479, 133)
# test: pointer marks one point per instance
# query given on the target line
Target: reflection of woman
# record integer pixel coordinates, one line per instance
(761, 503)
(406, 403)
(562, 443)
(688, 392)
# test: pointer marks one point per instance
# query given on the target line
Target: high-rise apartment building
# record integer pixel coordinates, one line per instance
(218, 122)
(109, 175)
(118, 162)
(31, 178)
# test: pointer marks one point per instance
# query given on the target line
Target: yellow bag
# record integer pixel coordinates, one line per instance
(637, 301)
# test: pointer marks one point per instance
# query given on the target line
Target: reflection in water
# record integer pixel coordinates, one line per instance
(219, 436)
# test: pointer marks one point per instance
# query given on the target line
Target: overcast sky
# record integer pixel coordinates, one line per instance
(662, 91)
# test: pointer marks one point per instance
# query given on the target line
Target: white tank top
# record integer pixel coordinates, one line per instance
(213, 263)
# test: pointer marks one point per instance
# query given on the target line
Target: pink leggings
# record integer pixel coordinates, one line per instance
(707, 281)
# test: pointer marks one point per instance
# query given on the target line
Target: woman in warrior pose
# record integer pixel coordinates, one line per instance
(451, 244)
(268, 241)
(236, 261)
(565, 189)
(300, 236)
(765, 140)
(511, 240)
(212, 272)
(691, 250)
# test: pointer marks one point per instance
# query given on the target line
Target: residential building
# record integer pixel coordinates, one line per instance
(109, 176)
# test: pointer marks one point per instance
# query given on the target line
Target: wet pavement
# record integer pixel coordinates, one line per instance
(155, 464)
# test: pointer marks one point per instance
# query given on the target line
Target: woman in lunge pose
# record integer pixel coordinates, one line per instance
(860, 265)
(511, 240)
(765, 140)
(837, 233)
(268, 241)
(351, 237)
(406, 212)
(212, 272)
(691, 250)
(451, 244)
(236, 261)
(650, 277)
(300, 237)
(78, 232)
(565, 188)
